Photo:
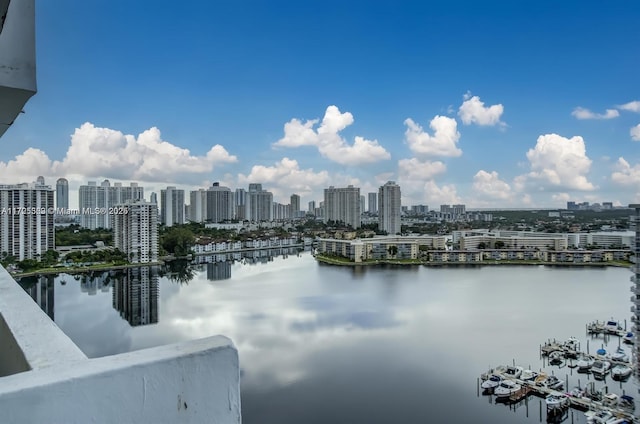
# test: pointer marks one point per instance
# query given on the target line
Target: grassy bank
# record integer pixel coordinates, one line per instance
(81, 269)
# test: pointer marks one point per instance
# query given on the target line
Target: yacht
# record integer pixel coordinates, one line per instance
(600, 368)
(513, 372)
(628, 338)
(612, 327)
(620, 355)
(556, 400)
(556, 358)
(584, 363)
(621, 372)
(528, 375)
(506, 389)
(489, 385)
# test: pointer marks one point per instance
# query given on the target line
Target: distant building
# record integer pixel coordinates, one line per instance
(93, 200)
(62, 193)
(295, 206)
(373, 203)
(154, 198)
(259, 204)
(197, 205)
(362, 204)
(136, 232)
(26, 222)
(171, 206)
(241, 212)
(220, 203)
(390, 208)
(419, 210)
(342, 205)
(312, 207)
(607, 205)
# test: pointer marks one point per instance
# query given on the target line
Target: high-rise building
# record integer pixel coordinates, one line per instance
(93, 200)
(154, 198)
(197, 205)
(241, 204)
(62, 193)
(635, 288)
(342, 205)
(26, 221)
(362, 203)
(312, 207)
(171, 206)
(260, 203)
(40, 181)
(390, 208)
(220, 203)
(295, 206)
(136, 232)
(373, 203)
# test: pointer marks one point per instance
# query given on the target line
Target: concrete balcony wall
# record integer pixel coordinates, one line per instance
(46, 378)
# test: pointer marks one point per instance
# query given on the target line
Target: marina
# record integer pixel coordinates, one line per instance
(512, 384)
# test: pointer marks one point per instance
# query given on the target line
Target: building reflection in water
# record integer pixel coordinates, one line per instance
(41, 289)
(92, 282)
(135, 295)
(218, 271)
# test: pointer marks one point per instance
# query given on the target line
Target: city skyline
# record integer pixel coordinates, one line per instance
(450, 121)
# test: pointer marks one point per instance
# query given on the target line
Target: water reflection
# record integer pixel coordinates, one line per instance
(218, 271)
(42, 290)
(135, 295)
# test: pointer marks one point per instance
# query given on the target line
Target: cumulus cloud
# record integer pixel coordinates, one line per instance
(635, 133)
(626, 174)
(559, 162)
(285, 177)
(561, 197)
(633, 106)
(411, 170)
(489, 185)
(329, 142)
(441, 143)
(439, 195)
(473, 111)
(582, 113)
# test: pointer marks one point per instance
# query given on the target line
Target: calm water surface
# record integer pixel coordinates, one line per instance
(324, 344)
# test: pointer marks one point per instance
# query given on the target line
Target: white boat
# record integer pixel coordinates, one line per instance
(506, 389)
(600, 368)
(553, 383)
(513, 372)
(571, 347)
(612, 327)
(491, 383)
(576, 392)
(528, 375)
(556, 358)
(620, 355)
(628, 338)
(584, 363)
(557, 400)
(621, 372)
(599, 417)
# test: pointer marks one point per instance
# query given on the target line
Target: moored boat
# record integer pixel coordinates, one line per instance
(556, 358)
(528, 375)
(584, 363)
(489, 385)
(506, 389)
(600, 368)
(513, 372)
(556, 400)
(621, 372)
(620, 355)
(628, 338)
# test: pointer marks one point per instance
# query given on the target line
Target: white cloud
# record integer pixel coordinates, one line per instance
(626, 174)
(442, 143)
(446, 194)
(328, 140)
(489, 185)
(582, 113)
(561, 197)
(473, 111)
(285, 178)
(558, 162)
(102, 152)
(411, 170)
(635, 133)
(631, 106)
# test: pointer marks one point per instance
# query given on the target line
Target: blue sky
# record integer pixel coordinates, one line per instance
(501, 104)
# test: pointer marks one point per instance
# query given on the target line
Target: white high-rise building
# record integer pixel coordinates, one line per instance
(295, 206)
(342, 205)
(220, 203)
(241, 210)
(198, 205)
(373, 203)
(62, 193)
(390, 208)
(136, 232)
(312, 207)
(26, 221)
(259, 204)
(171, 206)
(94, 201)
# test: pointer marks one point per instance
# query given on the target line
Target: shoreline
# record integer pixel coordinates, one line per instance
(414, 262)
(82, 270)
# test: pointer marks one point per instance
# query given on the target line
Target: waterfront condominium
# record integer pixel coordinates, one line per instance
(62, 193)
(259, 204)
(635, 287)
(94, 201)
(136, 232)
(295, 206)
(220, 203)
(26, 220)
(389, 211)
(197, 205)
(342, 205)
(171, 206)
(373, 203)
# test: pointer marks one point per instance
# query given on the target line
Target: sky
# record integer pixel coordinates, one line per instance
(491, 104)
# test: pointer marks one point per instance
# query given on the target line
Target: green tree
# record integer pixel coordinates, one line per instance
(499, 244)
(393, 250)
